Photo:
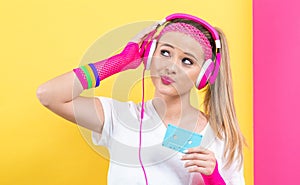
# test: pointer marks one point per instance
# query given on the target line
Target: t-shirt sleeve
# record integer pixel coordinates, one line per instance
(103, 138)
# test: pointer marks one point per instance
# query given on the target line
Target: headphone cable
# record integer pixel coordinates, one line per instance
(141, 124)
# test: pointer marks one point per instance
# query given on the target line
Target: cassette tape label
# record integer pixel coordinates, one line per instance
(180, 139)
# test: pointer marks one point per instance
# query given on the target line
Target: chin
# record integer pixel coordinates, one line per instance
(170, 90)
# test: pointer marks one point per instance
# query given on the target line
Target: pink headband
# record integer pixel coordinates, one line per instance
(191, 31)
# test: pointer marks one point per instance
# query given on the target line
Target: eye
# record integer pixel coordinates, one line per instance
(187, 61)
(165, 53)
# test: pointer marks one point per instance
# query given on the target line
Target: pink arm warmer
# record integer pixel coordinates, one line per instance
(129, 58)
(215, 178)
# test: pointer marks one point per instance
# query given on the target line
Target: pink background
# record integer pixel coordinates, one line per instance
(276, 92)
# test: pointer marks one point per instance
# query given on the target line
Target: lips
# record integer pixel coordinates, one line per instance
(166, 80)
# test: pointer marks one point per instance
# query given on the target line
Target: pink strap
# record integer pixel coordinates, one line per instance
(215, 178)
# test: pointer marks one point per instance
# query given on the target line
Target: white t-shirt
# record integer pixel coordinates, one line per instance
(121, 133)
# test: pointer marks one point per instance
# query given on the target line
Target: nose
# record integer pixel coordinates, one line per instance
(171, 66)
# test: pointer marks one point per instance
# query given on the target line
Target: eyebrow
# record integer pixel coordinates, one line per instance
(189, 54)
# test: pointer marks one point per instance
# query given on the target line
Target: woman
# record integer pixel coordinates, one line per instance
(187, 52)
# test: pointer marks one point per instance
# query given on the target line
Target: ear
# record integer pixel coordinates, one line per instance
(205, 73)
(149, 51)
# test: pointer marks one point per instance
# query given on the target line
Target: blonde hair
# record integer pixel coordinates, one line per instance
(219, 103)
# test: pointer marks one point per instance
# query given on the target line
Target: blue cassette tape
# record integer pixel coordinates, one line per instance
(180, 139)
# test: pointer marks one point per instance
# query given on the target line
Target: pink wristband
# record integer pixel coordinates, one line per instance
(215, 178)
(81, 76)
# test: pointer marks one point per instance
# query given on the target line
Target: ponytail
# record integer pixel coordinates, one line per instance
(218, 102)
(219, 105)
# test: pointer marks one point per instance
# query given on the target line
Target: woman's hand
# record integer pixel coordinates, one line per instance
(139, 38)
(200, 160)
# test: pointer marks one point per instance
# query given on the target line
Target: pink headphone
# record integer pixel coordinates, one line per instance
(209, 70)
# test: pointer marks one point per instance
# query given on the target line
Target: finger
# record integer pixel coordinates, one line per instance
(142, 35)
(201, 170)
(154, 25)
(197, 163)
(196, 156)
(200, 166)
(149, 29)
(198, 149)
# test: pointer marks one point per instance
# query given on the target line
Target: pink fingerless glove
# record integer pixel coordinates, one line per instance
(215, 178)
(90, 75)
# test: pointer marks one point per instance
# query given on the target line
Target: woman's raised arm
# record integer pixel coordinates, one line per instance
(61, 95)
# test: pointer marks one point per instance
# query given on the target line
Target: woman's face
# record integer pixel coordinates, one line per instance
(176, 64)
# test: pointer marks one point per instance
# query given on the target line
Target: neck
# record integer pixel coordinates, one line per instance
(173, 108)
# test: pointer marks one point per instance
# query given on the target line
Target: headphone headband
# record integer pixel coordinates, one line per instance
(213, 32)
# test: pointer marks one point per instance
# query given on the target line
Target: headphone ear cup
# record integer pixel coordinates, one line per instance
(149, 51)
(205, 73)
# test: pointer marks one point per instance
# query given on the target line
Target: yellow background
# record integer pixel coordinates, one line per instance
(43, 39)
